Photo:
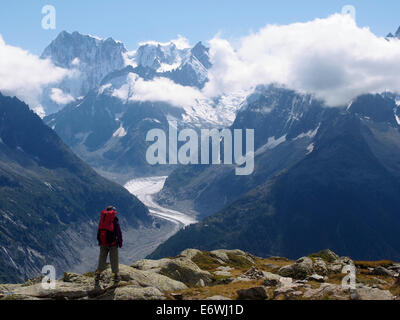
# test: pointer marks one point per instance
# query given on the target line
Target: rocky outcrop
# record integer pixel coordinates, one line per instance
(186, 271)
(367, 293)
(301, 269)
(237, 274)
(150, 265)
(135, 293)
(256, 293)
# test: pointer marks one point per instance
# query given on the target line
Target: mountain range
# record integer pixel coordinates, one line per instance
(107, 126)
(302, 149)
(324, 177)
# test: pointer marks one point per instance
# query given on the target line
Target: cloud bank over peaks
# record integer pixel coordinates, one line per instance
(159, 89)
(180, 42)
(24, 75)
(332, 58)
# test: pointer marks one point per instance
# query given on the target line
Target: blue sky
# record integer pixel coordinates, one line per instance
(134, 21)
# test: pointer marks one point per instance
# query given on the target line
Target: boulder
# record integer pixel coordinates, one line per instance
(256, 293)
(316, 277)
(381, 271)
(326, 255)
(368, 293)
(395, 267)
(137, 293)
(62, 290)
(220, 254)
(200, 283)
(327, 290)
(189, 253)
(320, 267)
(271, 276)
(335, 268)
(150, 265)
(223, 255)
(145, 279)
(301, 269)
(184, 270)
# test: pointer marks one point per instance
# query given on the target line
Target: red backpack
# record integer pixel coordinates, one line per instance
(106, 228)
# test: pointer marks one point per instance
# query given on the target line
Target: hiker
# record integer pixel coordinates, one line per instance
(109, 236)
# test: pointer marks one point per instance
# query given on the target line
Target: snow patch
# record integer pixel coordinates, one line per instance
(310, 134)
(75, 62)
(271, 144)
(397, 119)
(121, 132)
(9, 256)
(104, 88)
(48, 185)
(310, 148)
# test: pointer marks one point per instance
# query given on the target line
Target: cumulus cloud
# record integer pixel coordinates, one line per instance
(25, 75)
(59, 97)
(180, 43)
(159, 89)
(332, 58)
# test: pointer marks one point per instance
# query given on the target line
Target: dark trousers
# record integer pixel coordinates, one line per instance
(104, 252)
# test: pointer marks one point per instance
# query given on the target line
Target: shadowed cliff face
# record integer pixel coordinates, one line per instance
(49, 198)
(341, 193)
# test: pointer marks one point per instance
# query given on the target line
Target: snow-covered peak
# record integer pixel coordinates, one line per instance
(161, 57)
(202, 54)
(90, 57)
(94, 60)
(88, 49)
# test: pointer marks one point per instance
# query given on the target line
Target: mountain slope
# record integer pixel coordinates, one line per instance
(342, 195)
(49, 198)
(284, 123)
(108, 127)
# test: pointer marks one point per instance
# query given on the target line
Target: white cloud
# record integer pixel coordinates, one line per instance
(59, 97)
(181, 43)
(25, 75)
(159, 89)
(332, 58)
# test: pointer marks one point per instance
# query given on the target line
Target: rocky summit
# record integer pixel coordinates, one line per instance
(226, 275)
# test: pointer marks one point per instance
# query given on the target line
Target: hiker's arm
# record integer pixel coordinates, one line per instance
(118, 232)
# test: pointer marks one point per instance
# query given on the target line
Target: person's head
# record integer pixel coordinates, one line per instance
(111, 208)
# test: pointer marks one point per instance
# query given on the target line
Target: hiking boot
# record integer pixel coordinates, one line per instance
(97, 281)
(116, 280)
